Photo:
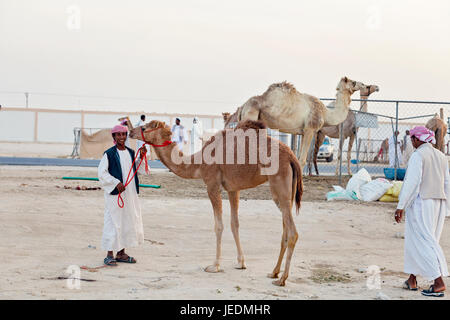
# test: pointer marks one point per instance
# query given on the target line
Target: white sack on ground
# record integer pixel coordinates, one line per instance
(357, 180)
(374, 190)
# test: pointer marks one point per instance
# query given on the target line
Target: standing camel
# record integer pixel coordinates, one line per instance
(285, 185)
(438, 126)
(283, 108)
(349, 130)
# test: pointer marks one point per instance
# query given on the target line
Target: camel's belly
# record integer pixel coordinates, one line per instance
(239, 177)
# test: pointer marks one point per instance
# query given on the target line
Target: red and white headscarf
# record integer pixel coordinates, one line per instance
(423, 134)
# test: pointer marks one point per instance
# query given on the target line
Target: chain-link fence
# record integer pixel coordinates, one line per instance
(369, 140)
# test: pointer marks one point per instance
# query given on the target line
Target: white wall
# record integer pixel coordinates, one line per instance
(57, 127)
(16, 126)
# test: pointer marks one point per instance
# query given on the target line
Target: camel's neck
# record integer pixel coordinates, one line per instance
(186, 169)
(363, 98)
(339, 113)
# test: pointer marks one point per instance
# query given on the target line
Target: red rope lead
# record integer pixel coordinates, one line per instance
(120, 201)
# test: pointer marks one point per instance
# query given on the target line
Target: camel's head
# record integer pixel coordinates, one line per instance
(368, 90)
(225, 116)
(154, 132)
(126, 122)
(231, 119)
(348, 85)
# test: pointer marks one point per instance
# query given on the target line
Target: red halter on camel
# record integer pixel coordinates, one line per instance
(120, 201)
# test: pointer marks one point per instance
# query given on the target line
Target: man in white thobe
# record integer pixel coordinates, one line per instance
(425, 196)
(392, 147)
(196, 136)
(140, 143)
(178, 134)
(408, 148)
(123, 227)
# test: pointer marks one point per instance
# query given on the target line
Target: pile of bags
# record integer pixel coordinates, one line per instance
(392, 194)
(362, 187)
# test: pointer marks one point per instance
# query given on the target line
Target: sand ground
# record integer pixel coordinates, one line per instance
(45, 228)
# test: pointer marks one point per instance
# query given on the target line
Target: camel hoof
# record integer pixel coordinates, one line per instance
(241, 266)
(213, 269)
(272, 275)
(279, 283)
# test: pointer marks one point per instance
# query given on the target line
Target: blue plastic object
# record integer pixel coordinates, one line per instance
(390, 172)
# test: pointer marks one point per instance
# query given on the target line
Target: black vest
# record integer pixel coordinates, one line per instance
(115, 169)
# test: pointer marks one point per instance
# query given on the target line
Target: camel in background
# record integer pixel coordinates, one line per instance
(283, 108)
(349, 130)
(285, 185)
(229, 119)
(439, 127)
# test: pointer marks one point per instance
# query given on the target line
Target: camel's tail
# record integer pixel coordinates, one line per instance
(297, 183)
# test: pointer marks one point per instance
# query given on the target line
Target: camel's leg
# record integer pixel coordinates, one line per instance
(291, 237)
(234, 204)
(349, 152)
(281, 193)
(306, 143)
(341, 144)
(283, 247)
(216, 201)
(320, 138)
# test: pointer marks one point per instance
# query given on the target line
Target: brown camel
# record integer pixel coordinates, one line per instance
(439, 127)
(349, 130)
(283, 108)
(285, 185)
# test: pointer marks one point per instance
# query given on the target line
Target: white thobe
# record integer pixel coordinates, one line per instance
(196, 135)
(122, 227)
(392, 152)
(178, 135)
(409, 149)
(424, 222)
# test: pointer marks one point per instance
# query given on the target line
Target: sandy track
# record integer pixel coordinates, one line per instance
(45, 228)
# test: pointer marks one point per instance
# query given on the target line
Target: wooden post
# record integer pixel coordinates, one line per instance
(36, 126)
(441, 113)
(82, 119)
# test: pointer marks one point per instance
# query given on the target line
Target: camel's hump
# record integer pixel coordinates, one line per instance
(251, 124)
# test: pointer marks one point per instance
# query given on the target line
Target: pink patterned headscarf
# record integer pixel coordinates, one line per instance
(118, 128)
(423, 134)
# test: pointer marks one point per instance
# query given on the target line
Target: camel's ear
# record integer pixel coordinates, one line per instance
(345, 79)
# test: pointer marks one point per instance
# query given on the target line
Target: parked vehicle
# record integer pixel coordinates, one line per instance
(326, 150)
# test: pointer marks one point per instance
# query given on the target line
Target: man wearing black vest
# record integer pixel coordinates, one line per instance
(123, 226)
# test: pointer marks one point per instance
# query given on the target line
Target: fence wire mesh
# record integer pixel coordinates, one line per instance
(369, 136)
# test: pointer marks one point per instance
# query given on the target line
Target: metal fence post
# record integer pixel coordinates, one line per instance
(341, 136)
(357, 150)
(396, 141)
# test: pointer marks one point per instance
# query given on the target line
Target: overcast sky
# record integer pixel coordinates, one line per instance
(206, 57)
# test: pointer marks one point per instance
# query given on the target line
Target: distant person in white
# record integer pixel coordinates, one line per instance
(140, 143)
(425, 196)
(196, 135)
(408, 148)
(392, 151)
(178, 134)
